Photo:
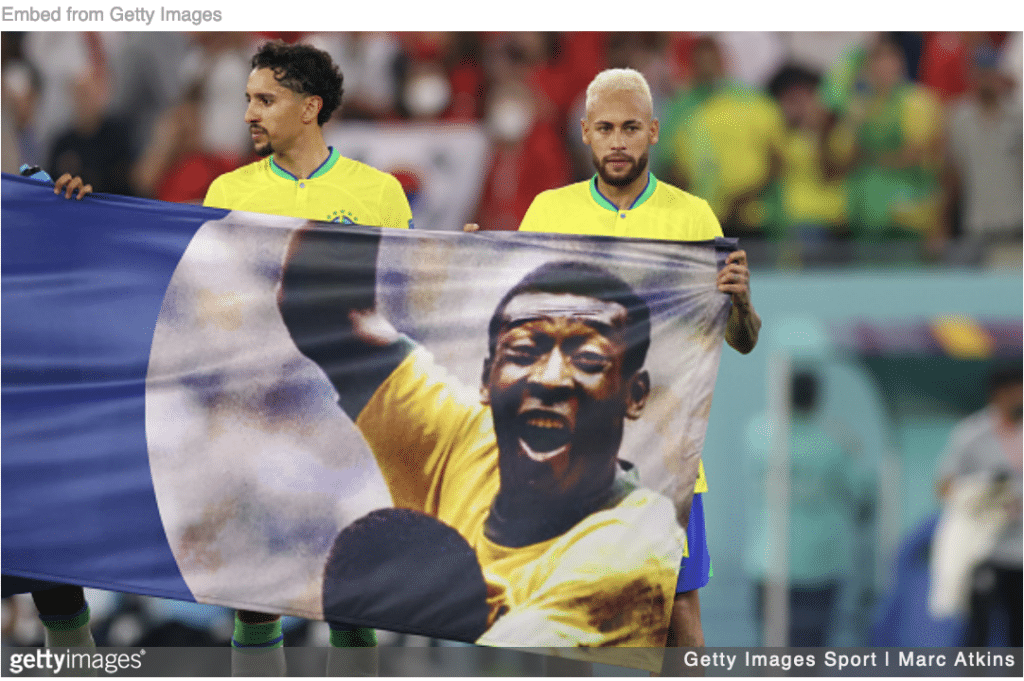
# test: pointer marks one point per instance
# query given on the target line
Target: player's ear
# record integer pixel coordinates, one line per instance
(655, 131)
(637, 391)
(585, 131)
(313, 105)
(485, 382)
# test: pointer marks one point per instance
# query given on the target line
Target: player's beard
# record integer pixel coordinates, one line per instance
(265, 149)
(638, 168)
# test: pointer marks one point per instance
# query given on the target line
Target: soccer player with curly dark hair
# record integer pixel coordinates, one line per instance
(293, 90)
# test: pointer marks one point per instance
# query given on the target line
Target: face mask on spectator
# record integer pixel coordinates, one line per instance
(427, 94)
(509, 119)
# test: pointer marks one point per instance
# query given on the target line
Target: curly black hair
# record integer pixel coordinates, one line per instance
(305, 70)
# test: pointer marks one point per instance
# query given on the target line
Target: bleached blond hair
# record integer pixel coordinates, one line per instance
(617, 80)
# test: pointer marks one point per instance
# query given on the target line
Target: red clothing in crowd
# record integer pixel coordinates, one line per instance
(518, 173)
(190, 176)
(946, 60)
(580, 57)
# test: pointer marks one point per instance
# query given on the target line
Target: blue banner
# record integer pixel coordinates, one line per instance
(83, 283)
(490, 437)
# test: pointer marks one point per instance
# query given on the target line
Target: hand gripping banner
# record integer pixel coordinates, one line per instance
(488, 437)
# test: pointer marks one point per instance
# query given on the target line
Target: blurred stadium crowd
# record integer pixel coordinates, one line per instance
(814, 147)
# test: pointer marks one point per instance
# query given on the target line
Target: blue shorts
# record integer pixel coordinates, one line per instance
(695, 569)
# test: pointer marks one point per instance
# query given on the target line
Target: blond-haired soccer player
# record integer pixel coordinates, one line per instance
(292, 91)
(624, 199)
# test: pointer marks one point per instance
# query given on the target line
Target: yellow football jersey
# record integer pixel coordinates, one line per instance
(436, 447)
(341, 190)
(569, 591)
(660, 212)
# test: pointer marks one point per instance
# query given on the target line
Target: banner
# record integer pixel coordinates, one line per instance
(488, 437)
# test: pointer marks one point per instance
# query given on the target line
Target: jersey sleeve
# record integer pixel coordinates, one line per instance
(706, 223)
(534, 220)
(215, 197)
(416, 423)
(394, 205)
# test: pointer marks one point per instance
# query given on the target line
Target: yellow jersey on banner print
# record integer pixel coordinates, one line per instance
(608, 581)
(341, 190)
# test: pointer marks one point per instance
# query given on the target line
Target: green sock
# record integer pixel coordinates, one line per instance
(70, 632)
(359, 637)
(265, 635)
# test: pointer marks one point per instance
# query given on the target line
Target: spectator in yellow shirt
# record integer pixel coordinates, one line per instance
(724, 143)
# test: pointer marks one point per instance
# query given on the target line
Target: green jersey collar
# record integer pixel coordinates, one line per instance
(324, 167)
(601, 200)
